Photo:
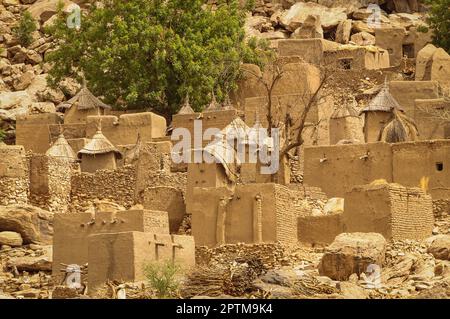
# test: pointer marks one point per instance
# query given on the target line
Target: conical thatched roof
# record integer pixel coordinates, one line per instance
(84, 100)
(61, 149)
(186, 108)
(382, 102)
(213, 105)
(99, 144)
(227, 105)
(346, 111)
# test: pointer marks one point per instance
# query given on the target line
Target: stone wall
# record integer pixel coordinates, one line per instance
(337, 169)
(50, 182)
(14, 183)
(154, 169)
(250, 213)
(286, 215)
(124, 129)
(116, 186)
(392, 210)
(33, 133)
(320, 230)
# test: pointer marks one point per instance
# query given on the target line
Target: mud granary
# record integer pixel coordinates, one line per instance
(120, 201)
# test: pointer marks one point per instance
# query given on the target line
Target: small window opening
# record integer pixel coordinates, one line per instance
(408, 50)
(345, 64)
(439, 166)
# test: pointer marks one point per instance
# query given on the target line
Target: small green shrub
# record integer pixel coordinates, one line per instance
(23, 31)
(162, 277)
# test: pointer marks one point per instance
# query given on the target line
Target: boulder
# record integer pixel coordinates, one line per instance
(350, 6)
(334, 205)
(439, 246)
(24, 81)
(352, 253)
(33, 57)
(10, 238)
(310, 29)
(11, 100)
(363, 38)
(299, 12)
(32, 223)
(361, 26)
(32, 264)
(343, 31)
(405, 20)
(42, 10)
(42, 107)
(350, 290)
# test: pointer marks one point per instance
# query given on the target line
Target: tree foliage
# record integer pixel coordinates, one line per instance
(152, 53)
(23, 31)
(439, 21)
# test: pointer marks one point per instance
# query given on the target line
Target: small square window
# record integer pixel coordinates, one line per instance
(439, 166)
(345, 64)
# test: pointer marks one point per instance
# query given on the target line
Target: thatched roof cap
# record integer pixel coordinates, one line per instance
(186, 108)
(213, 105)
(227, 105)
(346, 111)
(61, 149)
(382, 102)
(84, 100)
(99, 144)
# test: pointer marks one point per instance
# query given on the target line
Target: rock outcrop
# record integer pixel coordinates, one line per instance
(352, 253)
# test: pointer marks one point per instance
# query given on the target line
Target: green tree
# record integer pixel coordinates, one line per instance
(439, 21)
(23, 31)
(152, 53)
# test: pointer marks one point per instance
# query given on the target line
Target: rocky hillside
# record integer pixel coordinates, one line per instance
(23, 68)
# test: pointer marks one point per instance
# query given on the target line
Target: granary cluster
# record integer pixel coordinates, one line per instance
(377, 161)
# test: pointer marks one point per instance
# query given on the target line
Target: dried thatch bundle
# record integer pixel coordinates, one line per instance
(348, 110)
(399, 129)
(235, 279)
(99, 144)
(61, 149)
(84, 100)
(132, 155)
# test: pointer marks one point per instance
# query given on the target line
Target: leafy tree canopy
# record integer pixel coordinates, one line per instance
(439, 20)
(143, 53)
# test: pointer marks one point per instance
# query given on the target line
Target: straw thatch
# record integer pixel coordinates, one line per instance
(227, 105)
(399, 129)
(84, 100)
(382, 102)
(186, 108)
(99, 144)
(61, 149)
(346, 111)
(213, 105)
(132, 155)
